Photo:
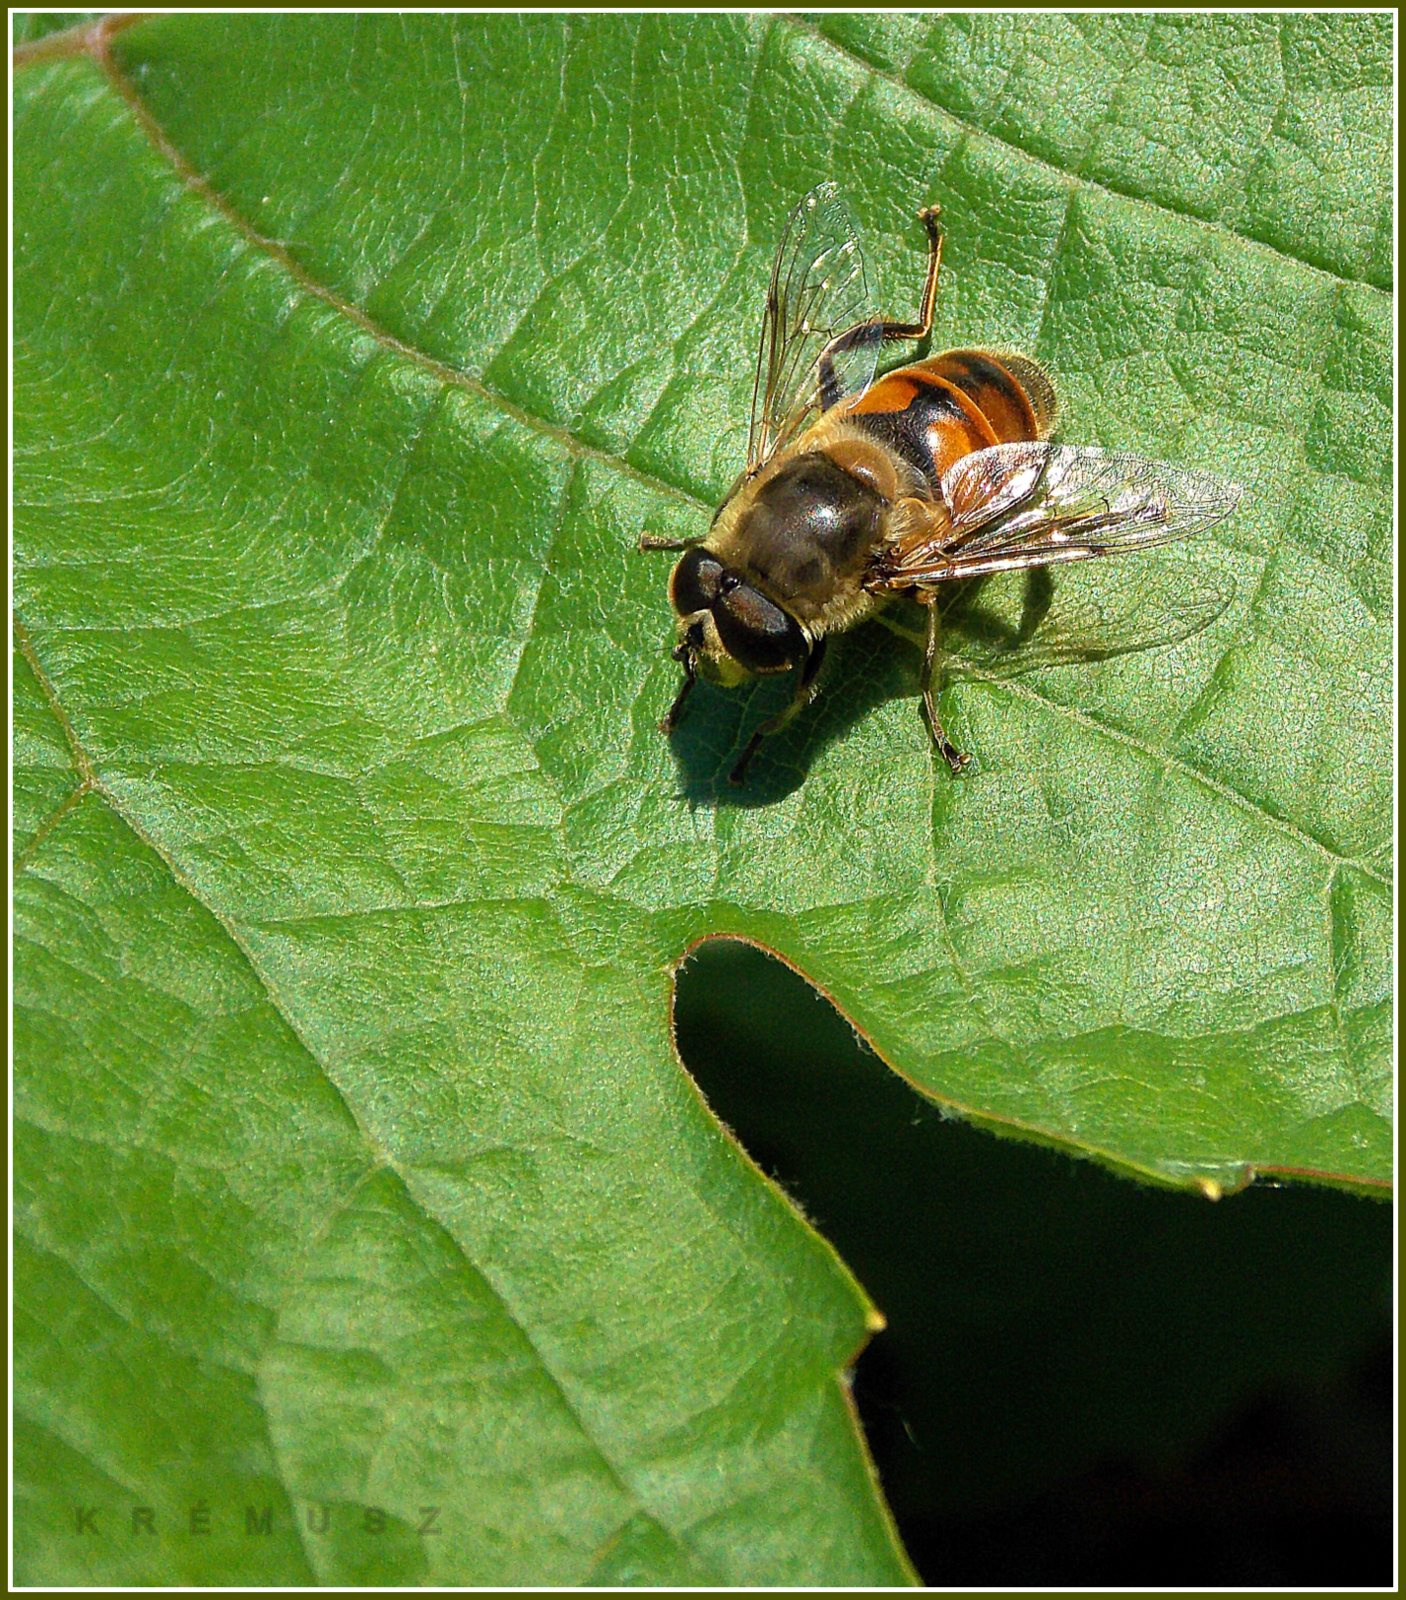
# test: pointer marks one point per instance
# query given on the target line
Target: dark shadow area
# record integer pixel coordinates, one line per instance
(864, 669)
(867, 667)
(991, 627)
(1083, 1382)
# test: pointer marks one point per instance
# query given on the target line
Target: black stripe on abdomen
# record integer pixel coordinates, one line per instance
(934, 429)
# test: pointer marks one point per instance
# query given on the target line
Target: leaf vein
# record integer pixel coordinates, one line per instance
(1164, 758)
(455, 377)
(1075, 179)
(26, 856)
(381, 1155)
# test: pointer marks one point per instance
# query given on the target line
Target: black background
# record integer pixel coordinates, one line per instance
(1084, 1381)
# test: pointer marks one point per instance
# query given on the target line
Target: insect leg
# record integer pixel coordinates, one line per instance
(955, 758)
(671, 716)
(864, 332)
(805, 693)
(930, 217)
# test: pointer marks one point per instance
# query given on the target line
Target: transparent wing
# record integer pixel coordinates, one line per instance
(1010, 624)
(817, 292)
(1038, 504)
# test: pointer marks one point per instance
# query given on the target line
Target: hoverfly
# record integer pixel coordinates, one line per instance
(856, 491)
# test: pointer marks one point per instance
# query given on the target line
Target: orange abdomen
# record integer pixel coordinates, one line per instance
(935, 412)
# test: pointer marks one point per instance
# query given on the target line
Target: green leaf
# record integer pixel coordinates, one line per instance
(354, 1168)
(27, 27)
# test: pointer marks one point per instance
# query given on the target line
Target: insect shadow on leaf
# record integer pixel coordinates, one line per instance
(861, 492)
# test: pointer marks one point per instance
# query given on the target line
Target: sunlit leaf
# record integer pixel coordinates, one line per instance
(355, 1173)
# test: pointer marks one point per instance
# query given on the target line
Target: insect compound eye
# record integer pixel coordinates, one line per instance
(694, 585)
(756, 631)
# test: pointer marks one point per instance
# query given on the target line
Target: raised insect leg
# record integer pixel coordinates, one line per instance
(865, 332)
(805, 693)
(652, 541)
(956, 759)
(931, 219)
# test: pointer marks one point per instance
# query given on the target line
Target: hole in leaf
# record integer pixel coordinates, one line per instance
(1083, 1381)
